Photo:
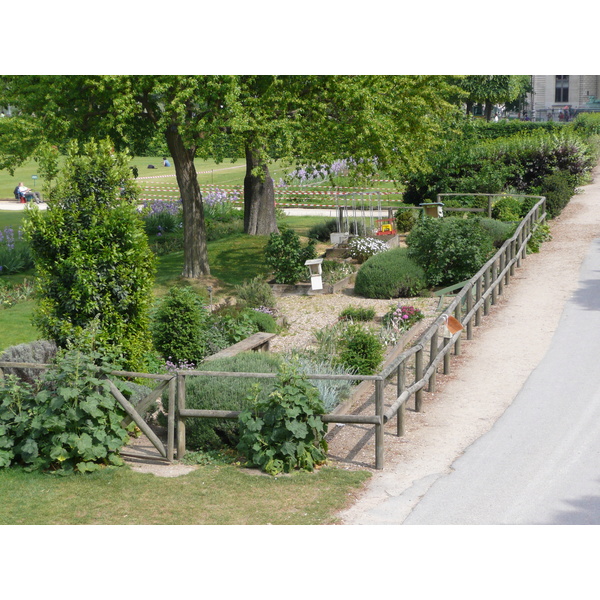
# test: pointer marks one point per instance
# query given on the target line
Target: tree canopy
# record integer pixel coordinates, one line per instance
(494, 89)
(380, 122)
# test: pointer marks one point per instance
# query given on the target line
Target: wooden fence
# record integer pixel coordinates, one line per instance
(411, 371)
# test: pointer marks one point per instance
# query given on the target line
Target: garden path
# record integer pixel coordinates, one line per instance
(485, 378)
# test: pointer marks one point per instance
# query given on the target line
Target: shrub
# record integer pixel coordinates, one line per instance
(69, 422)
(357, 313)
(91, 254)
(558, 189)
(224, 393)
(507, 209)
(284, 431)
(40, 352)
(526, 205)
(285, 255)
(256, 293)
(498, 231)
(361, 350)
(390, 274)
(15, 255)
(405, 220)
(449, 250)
(362, 248)
(322, 231)
(263, 321)
(540, 234)
(178, 326)
(332, 392)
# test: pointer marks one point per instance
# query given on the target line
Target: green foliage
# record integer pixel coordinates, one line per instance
(517, 164)
(587, 124)
(256, 293)
(285, 255)
(357, 313)
(507, 209)
(390, 274)
(69, 422)
(449, 250)
(91, 254)
(15, 256)
(558, 189)
(178, 325)
(334, 271)
(284, 431)
(361, 350)
(12, 293)
(405, 220)
(322, 231)
(224, 393)
(331, 391)
(263, 321)
(540, 235)
(498, 231)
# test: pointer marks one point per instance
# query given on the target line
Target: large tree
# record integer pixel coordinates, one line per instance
(379, 121)
(493, 89)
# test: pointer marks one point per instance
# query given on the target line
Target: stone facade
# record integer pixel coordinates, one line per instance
(552, 93)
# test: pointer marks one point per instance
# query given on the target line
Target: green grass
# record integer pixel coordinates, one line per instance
(15, 325)
(213, 495)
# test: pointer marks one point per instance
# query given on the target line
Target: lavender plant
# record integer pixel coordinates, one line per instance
(15, 256)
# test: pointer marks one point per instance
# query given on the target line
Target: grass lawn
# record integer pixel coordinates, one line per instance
(15, 325)
(211, 495)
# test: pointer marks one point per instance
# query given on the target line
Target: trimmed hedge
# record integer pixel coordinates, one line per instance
(390, 274)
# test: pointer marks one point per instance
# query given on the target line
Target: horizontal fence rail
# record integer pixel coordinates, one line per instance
(412, 371)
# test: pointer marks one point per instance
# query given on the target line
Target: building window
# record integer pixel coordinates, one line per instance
(561, 90)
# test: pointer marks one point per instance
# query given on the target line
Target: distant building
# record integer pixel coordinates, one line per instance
(561, 97)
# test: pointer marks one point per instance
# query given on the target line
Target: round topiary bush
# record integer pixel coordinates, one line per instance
(390, 274)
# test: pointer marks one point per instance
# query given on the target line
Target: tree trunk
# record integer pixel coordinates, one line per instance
(259, 198)
(488, 110)
(195, 252)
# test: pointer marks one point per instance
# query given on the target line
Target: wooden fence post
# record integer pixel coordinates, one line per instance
(400, 384)
(379, 385)
(171, 419)
(180, 419)
(433, 352)
(469, 309)
(418, 377)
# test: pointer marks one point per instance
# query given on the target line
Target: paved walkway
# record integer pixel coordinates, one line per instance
(496, 367)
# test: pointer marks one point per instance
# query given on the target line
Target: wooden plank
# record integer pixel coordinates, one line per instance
(130, 410)
(144, 403)
(259, 340)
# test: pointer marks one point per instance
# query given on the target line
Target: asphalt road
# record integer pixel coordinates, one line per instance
(540, 462)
